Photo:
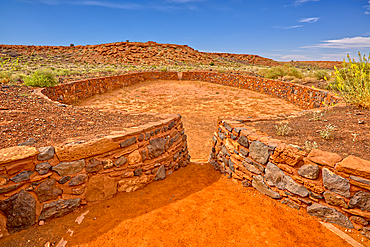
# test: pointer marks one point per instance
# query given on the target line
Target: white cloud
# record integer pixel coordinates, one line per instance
(367, 7)
(335, 57)
(345, 43)
(183, 1)
(310, 20)
(290, 27)
(108, 5)
(294, 57)
(300, 2)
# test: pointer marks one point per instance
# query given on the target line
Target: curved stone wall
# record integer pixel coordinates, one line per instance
(39, 185)
(42, 184)
(331, 187)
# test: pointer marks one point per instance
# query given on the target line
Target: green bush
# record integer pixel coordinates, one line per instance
(321, 75)
(41, 78)
(281, 71)
(353, 81)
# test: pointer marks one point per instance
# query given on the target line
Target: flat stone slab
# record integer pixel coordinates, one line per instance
(84, 150)
(8, 155)
(354, 166)
(324, 158)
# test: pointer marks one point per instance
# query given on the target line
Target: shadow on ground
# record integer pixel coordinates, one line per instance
(106, 215)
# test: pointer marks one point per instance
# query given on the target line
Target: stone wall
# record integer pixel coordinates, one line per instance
(37, 185)
(302, 96)
(327, 185)
(70, 93)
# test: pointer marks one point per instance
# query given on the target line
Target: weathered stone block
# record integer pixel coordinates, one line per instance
(361, 200)
(335, 183)
(156, 147)
(120, 161)
(259, 152)
(295, 188)
(134, 157)
(84, 150)
(79, 179)
(20, 211)
(354, 166)
(59, 208)
(329, 214)
(43, 168)
(161, 173)
(128, 142)
(46, 153)
(287, 155)
(129, 185)
(100, 188)
(309, 171)
(93, 166)
(324, 158)
(274, 176)
(334, 199)
(23, 176)
(68, 168)
(48, 191)
(8, 155)
(260, 185)
(243, 141)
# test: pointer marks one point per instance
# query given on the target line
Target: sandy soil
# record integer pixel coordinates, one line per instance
(199, 103)
(194, 206)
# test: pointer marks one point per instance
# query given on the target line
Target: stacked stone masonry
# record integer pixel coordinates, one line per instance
(42, 184)
(302, 96)
(333, 188)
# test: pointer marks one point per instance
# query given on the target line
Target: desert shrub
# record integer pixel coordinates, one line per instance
(321, 75)
(212, 63)
(41, 78)
(5, 76)
(293, 71)
(353, 81)
(164, 69)
(280, 72)
(273, 73)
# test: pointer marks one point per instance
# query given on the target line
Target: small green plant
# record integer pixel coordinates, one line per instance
(164, 69)
(354, 136)
(327, 133)
(41, 78)
(321, 75)
(317, 116)
(282, 129)
(310, 145)
(353, 81)
(212, 63)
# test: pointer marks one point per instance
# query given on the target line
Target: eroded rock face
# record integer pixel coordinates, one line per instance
(20, 211)
(79, 179)
(309, 171)
(324, 158)
(259, 152)
(335, 200)
(129, 185)
(260, 185)
(46, 153)
(93, 166)
(48, 191)
(68, 168)
(275, 176)
(161, 173)
(335, 183)
(100, 188)
(361, 200)
(156, 147)
(243, 141)
(43, 168)
(329, 214)
(295, 188)
(59, 208)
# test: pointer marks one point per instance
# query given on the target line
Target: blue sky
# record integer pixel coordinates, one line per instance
(282, 30)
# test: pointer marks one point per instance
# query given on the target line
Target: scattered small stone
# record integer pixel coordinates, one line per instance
(79, 179)
(46, 153)
(41, 222)
(64, 179)
(43, 168)
(120, 161)
(23, 176)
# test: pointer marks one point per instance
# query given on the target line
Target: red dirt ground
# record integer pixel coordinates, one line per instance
(194, 206)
